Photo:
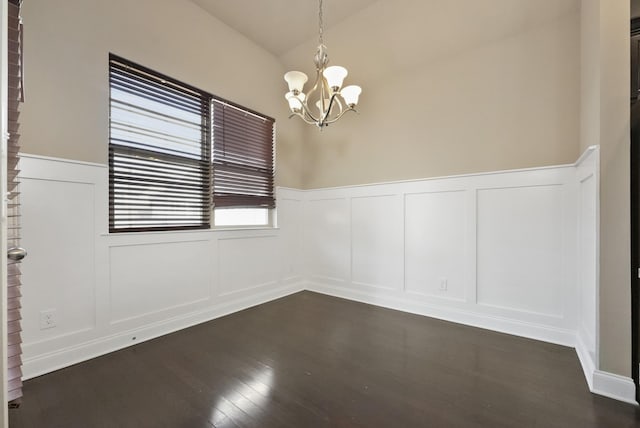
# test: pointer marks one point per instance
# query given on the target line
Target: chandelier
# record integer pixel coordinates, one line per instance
(327, 100)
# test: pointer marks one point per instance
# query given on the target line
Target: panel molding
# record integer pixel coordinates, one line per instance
(329, 279)
(158, 311)
(463, 264)
(555, 183)
(435, 296)
(561, 325)
(249, 288)
(163, 293)
(546, 333)
(72, 354)
(374, 286)
(523, 311)
(53, 339)
(45, 351)
(50, 235)
(544, 294)
(159, 242)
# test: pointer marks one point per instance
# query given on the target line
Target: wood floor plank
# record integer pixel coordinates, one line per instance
(310, 360)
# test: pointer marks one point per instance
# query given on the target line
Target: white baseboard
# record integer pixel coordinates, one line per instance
(614, 386)
(504, 325)
(604, 383)
(49, 362)
(586, 360)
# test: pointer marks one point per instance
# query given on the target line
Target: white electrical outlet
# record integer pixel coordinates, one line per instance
(443, 284)
(47, 319)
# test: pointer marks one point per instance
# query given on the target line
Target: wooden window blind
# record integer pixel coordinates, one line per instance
(243, 157)
(15, 98)
(159, 151)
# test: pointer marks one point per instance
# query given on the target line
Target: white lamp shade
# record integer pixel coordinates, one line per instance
(295, 102)
(351, 94)
(335, 75)
(296, 80)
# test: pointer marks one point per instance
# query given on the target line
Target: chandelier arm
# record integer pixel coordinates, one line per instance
(317, 83)
(339, 102)
(326, 93)
(340, 115)
(326, 113)
(310, 122)
(318, 86)
(307, 113)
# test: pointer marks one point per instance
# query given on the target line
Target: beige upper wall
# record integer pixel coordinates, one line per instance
(494, 90)
(449, 88)
(67, 42)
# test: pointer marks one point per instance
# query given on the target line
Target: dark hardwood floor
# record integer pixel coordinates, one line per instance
(310, 360)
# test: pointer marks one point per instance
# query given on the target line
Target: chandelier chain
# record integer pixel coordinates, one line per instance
(320, 23)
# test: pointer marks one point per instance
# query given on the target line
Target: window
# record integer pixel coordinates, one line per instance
(242, 166)
(234, 217)
(162, 162)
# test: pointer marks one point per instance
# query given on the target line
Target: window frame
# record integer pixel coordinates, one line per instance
(207, 145)
(147, 176)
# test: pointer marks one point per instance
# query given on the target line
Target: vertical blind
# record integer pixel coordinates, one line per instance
(15, 97)
(159, 151)
(242, 157)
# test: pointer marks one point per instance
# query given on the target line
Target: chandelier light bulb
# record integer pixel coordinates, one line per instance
(335, 76)
(296, 81)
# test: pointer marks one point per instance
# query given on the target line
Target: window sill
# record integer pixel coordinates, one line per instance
(236, 228)
(194, 231)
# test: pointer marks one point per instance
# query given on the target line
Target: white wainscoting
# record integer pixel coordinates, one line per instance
(511, 251)
(435, 225)
(519, 248)
(491, 250)
(113, 290)
(587, 182)
(376, 240)
(326, 237)
(171, 272)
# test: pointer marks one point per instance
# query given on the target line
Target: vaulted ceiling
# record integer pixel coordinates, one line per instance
(280, 25)
(397, 32)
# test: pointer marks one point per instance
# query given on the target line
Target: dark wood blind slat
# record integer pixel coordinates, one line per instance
(252, 181)
(230, 200)
(230, 148)
(14, 339)
(14, 326)
(242, 158)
